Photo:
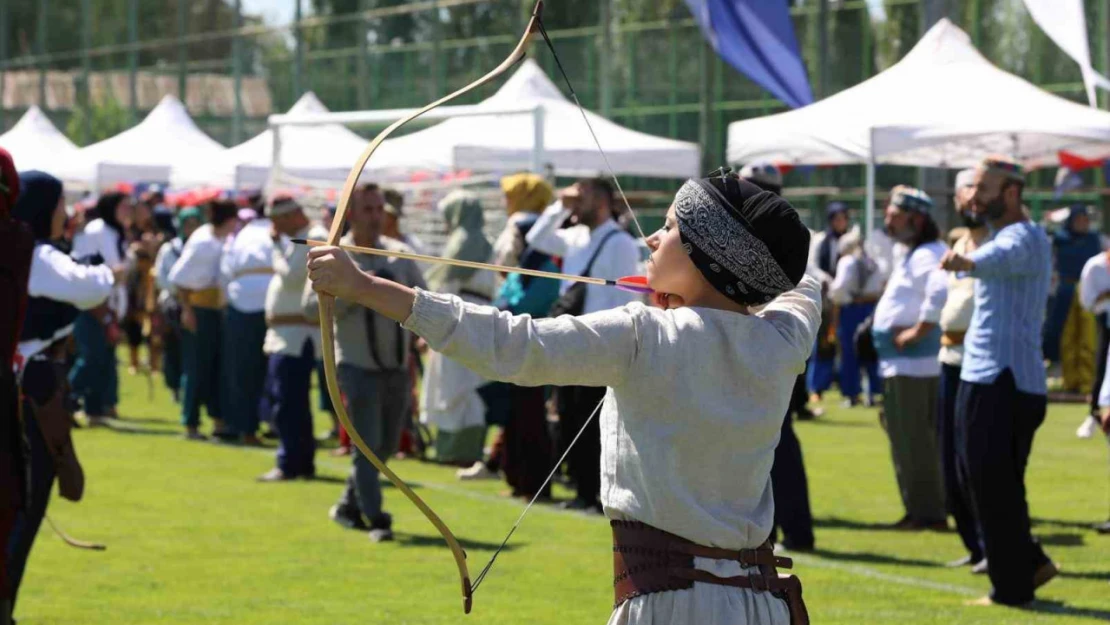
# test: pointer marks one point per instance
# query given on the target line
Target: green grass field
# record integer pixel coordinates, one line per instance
(193, 539)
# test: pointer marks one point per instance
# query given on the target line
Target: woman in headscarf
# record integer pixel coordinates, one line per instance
(58, 288)
(94, 377)
(698, 387)
(1069, 336)
(449, 396)
(523, 447)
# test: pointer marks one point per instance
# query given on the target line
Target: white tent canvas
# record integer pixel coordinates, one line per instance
(167, 146)
(943, 105)
(324, 152)
(35, 143)
(506, 142)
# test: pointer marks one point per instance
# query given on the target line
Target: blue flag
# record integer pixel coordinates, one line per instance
(756, 37)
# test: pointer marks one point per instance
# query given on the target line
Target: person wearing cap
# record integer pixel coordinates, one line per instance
(196, 277)
(1069, 337)
(697, 388)
(169, 306)
(391, 222)
(789, 483)
(372, 355)
(291, 344)
(58, 289)
(246, 268)
(764, 175)
(1002, 396)
(824, 253)
(955, 318)
(855, 290)
(907, 339)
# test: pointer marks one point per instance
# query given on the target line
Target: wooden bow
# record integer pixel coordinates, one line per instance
(327, 305)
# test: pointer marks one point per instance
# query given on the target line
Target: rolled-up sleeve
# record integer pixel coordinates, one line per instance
(936, 294)
(545, 235)
(591, 350)
(58, 277)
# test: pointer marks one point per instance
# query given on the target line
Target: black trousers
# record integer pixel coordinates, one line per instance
(958, 500)
(576, 404)
(29, 519)
(1100, 361)
(791, 490)
(995, 424)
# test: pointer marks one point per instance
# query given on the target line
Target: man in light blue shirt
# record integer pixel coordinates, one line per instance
(1001, 401)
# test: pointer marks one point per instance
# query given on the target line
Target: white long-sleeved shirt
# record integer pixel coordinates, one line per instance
(284, 296)
(246, 267)
(164, 261)
(58, 277)
(689, 424)
(1094, 282)
(199, 265)
(849, 285)
(916, 292)
(575, 245)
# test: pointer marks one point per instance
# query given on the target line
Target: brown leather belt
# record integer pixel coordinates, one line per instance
(866, 299)
(647, 560)
(288, 320)
(952, 338)
(255, 271)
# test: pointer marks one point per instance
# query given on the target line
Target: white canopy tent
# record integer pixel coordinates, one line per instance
(35, 143)
(507, 142)
(317, 152)
(943, 105)
(167, 146)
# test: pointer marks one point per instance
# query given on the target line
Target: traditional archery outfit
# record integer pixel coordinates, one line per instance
(1002, 400)
(373, 355)
(291, 345)
(607, 251)
(911, 375)
(449, 396)
(196, 275)
(94, 376)
(168, 304)
(855, 289)
(824, 252)
(58, 289)
(1069, 335)
(246, 268)
(691, 417)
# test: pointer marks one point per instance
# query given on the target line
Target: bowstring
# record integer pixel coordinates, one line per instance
(550, 476)
(612, 175)
(586, 120)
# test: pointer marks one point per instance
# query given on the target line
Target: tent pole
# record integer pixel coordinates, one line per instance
(537, 139)
(869, 210)
(275, 163)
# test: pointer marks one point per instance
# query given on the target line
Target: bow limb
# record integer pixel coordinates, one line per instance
(327, 304)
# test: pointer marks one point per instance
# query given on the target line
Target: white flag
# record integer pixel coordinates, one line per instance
(1065, 23)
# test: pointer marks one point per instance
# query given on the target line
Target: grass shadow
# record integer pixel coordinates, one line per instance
(871, 558)
(1079, 525)
(1098, 577)
(835, 423)
(839, 523)
(1059, 607)
(1061, 539)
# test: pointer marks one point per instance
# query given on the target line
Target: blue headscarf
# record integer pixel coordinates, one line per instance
(38, 197)
(1074, 249)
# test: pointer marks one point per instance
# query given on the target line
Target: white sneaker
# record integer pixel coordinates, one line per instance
(1088, 428)
(477, 471)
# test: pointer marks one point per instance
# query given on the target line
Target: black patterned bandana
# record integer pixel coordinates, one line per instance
(728, 250)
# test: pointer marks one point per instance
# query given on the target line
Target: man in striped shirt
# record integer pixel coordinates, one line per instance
(1002, 396)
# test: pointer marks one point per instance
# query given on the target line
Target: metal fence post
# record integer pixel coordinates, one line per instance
(237, 72)
(298, 52)
(41, 37)
(182, 50)
(362, 95)
(3, 57)
(86, 63)
(133, 58)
